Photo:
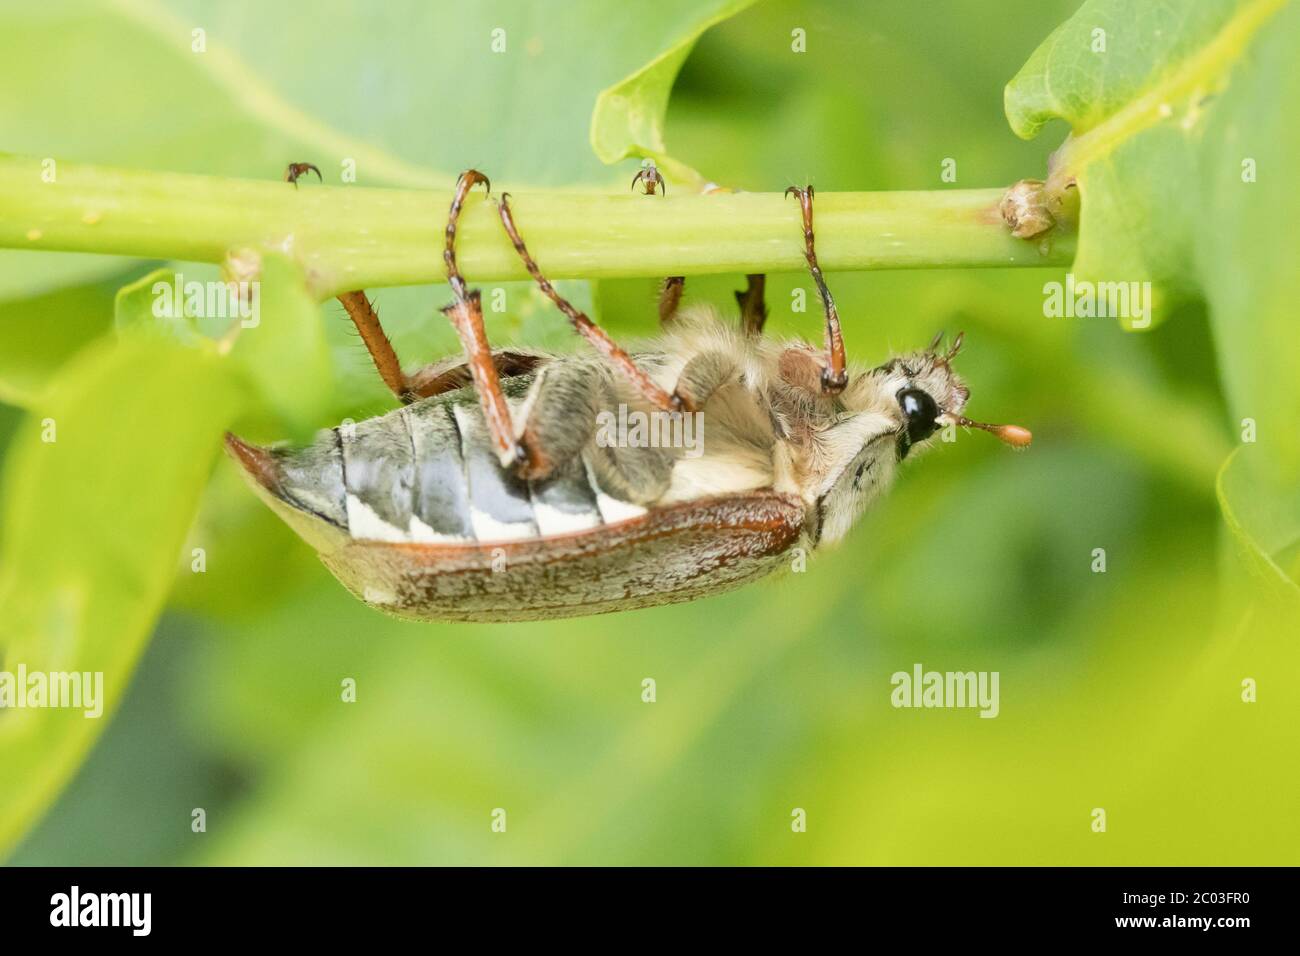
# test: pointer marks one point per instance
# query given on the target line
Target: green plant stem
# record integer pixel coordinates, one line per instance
(353, 237)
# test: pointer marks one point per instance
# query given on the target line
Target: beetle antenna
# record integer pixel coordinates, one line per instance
(955, 347)
(1014, 435)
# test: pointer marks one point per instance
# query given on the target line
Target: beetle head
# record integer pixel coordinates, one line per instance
(887, 413)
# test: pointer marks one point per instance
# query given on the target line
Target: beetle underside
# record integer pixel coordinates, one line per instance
(445, 534)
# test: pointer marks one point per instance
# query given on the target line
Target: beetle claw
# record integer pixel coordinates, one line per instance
(295, 171)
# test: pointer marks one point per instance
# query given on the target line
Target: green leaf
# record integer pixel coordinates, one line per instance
(1183, 161)
(27, 273)
(1245, 249)
(278, 334)
(629, 116)
(40, 333)
(1138, 85)
(151, 307)
(251, 104)
(101, 484)
(1264, 518)
(444, 98)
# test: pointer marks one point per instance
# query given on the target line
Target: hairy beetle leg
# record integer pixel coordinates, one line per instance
(609, 350)
(363, 315)
(670, 293)
(670, 297)
(703, 374)
(295, 171)
(466, 317)
(753, 308)
(464, 183)
(834, 374)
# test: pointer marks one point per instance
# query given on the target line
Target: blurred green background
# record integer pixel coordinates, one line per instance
(1119, 690)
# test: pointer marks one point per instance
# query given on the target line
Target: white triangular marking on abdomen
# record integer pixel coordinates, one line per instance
(424, 534)
(612, 510)
(551, 520)
(488, 530)
(365, 525)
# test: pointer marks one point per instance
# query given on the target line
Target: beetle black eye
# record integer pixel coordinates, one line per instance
(921, 411)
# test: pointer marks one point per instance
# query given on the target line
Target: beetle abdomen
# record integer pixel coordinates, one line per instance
(426, 474)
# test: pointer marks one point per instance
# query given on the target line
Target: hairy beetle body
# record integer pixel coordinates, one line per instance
(414, 513)
(516, 486)
(415, 517)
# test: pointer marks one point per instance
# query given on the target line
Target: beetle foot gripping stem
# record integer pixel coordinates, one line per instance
(295, 171)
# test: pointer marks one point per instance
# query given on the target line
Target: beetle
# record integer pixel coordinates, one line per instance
(519, 485)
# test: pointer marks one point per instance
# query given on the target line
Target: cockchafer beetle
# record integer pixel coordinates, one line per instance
(510, 486)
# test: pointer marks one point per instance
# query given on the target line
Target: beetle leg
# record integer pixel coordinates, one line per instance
(433, 379)
(559, 414)
(670, 296)
(639, 475)
(670, 293)
(834, 375)
(593, 333)
(630, 472)
(295, 171)
(448, 375)
(466, 317)
(753, 310)
(704, 374)
(362, 313)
